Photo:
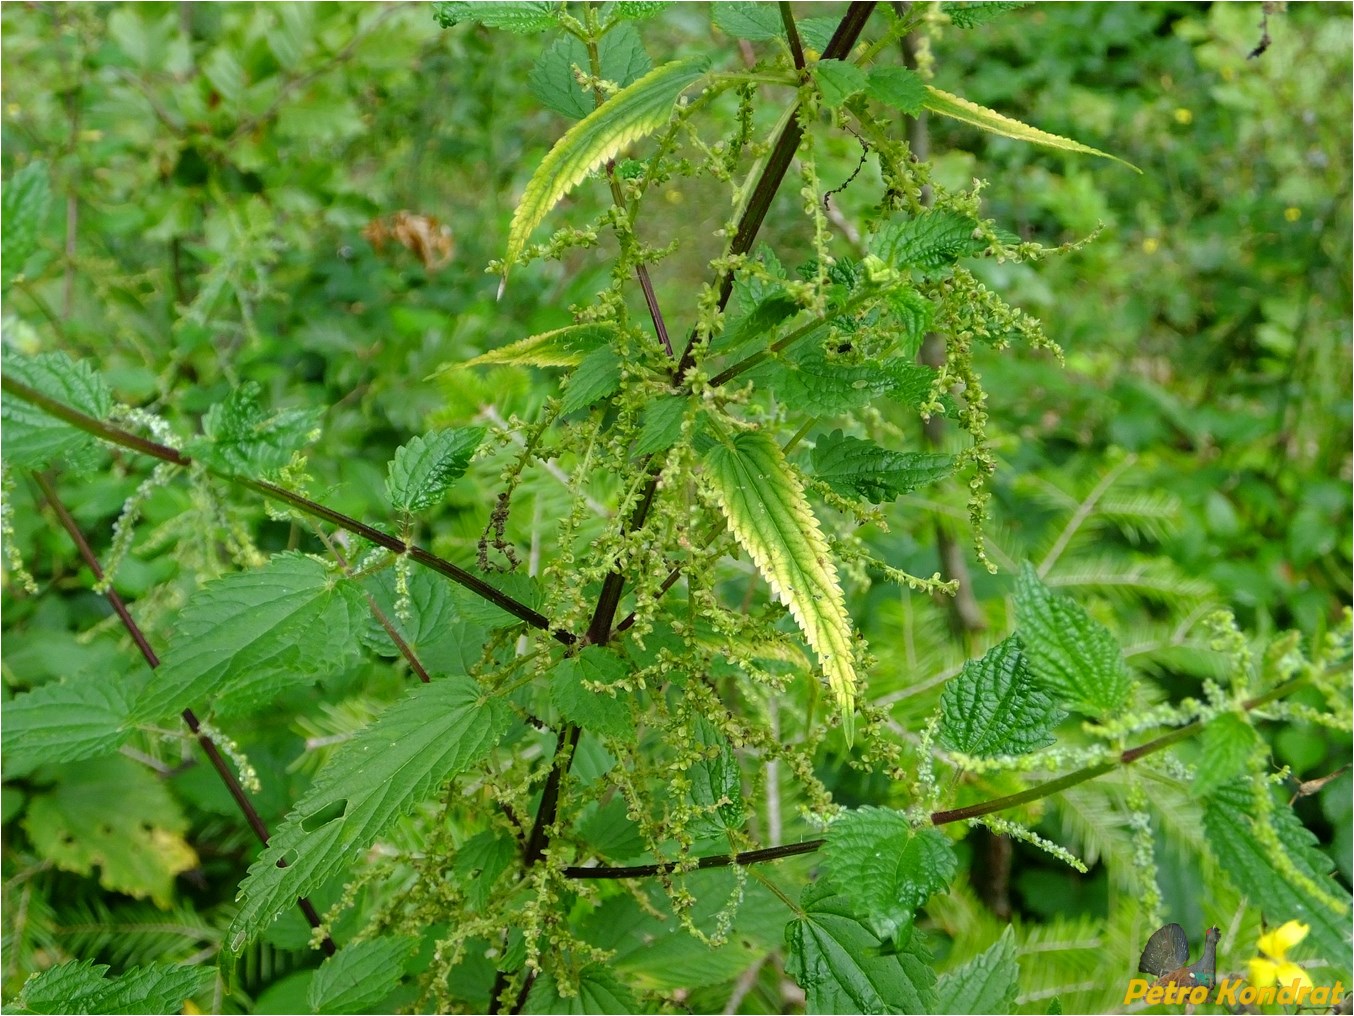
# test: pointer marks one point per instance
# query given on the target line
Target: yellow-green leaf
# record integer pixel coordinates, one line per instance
(562, 347)
(630, 114)
(971, 113)
(765, 506)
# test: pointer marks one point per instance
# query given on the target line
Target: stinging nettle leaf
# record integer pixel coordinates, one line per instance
(359, 975)
(245, 637)
(32, 439)
(764, 504)
(85, 987)
(838, 80)
(597, 377)
(1073, 655)
(818, 384)
(886, 868)
(994, 706)
(762, 319)
(64, 721)
(974, 115)
(24, 204)
(240, 436)
(843, 968)
(898, 87)
(662, 425)
(620, 54)
(971, 15)
(113, 814)
(861, 469)
(424, 469)
(562, 347)
(1229, 825)
(932, 240)
(638, 10)
(716, 781)
(599, 711)
(522, 17)
(630, 114)
(985, 984)
(751, 21)
(1226, 747)
(407, 754)
(599, 991)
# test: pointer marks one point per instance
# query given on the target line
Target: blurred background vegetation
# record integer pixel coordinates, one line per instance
(227, 187)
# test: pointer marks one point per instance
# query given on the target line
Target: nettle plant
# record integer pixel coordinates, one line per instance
(600, 789)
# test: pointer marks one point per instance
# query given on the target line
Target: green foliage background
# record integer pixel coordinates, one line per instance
(215, 170)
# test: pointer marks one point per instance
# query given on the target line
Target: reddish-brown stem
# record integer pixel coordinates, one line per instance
(213, 754)
(938, 818)
(126, 439)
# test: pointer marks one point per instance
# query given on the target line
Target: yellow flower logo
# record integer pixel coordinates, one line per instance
(1273, 966)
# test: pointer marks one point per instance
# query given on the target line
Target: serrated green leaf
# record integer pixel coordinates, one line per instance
(1072, 655)
(971, 15)
(32, 439)
(637, 10)
(597, 377)
(479, 862)
(751, 21)
(838, 80)
(1226, 747)
(985, 984)
(65, 721)
(630, 114)
(1230, 827)
(913, 313)
(609, 831)
(620, 54)
(240, 436)
(359, 975)
(243, 638)
(523, 17)
(989, 120)
(434, 628)
(563, 347)
(817, 384)
(768, 312)
(600, 711)
(599, 991)
(995, 707)
(898, 87)
(932, 240)
(84, 987)
(886, 868)
(474, 609)
(24, 204)
(406, 755)
(861, 469)
(816, 33)
(113, 814)
(662, 425)
(425, 468)
(764, 504)
(716, 781)
(844, 969)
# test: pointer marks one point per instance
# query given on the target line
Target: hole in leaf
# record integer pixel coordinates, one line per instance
(324, 816)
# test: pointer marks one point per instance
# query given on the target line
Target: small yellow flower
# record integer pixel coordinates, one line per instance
(1274, 967)
(1150, 245)
(1292, 213)
(1183, 116)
